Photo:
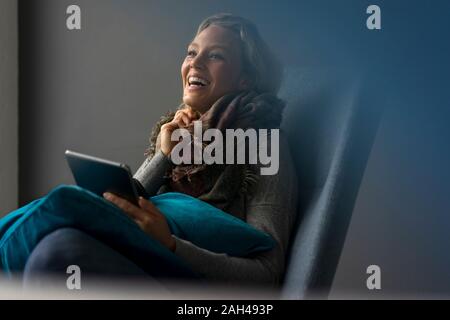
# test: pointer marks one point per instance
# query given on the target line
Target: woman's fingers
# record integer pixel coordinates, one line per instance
(187, 115)
(147, 217)
(181, 119)
(148, 206)
(193, 115)
(129, 208)
(140, 224)
(170, 126)
(185, 119)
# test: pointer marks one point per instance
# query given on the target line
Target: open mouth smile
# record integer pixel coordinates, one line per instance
(196, 82)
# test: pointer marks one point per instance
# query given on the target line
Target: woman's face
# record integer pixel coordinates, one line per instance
(212, 68)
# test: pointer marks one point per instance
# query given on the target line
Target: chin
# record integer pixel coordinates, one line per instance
(200, 105)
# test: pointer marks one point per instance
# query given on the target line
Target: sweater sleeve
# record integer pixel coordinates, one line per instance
(272, 209)
(151, 173)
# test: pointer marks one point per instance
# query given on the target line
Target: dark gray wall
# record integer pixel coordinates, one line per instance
(8, 106)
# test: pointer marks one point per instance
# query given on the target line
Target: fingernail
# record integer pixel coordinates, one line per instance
(106, 195)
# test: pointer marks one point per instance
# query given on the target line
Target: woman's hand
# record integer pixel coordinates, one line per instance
(148, 217)
(182, 119)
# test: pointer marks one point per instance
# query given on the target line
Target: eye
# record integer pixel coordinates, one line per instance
(216, 56)
(191, 53)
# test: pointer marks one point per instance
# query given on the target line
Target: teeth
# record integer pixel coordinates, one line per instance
(199, 80)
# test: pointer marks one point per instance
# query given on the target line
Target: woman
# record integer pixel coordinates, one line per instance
(230, 80)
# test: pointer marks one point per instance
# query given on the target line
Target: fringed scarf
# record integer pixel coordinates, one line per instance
(222, 185)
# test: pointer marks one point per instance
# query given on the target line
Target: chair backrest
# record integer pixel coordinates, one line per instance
(331, 119)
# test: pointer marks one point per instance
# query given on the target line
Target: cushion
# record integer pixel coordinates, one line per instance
(71, 206)
(210, 228)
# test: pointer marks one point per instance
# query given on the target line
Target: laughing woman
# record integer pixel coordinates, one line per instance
(230, 80)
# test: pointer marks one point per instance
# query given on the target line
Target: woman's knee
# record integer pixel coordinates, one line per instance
(50, 259)
(59, 249)
(68, 246)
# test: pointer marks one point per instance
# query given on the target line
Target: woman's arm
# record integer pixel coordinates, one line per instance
(272, 209)
(150, 176)
(151, 173)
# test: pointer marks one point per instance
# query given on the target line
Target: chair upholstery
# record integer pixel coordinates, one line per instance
(331, 119)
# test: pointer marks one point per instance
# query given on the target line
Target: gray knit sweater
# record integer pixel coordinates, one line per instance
(271, 208)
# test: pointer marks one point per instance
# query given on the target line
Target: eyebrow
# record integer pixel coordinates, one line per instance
(214, 46)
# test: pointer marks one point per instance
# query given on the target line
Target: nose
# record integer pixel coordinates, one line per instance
(197, 62)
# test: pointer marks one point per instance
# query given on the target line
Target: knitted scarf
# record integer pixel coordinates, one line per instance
(222, 185)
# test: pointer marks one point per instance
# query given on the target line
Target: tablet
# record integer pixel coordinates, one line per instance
(99, 175)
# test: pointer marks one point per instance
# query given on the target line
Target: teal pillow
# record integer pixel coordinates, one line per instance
(72, 206)
(210, 228)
